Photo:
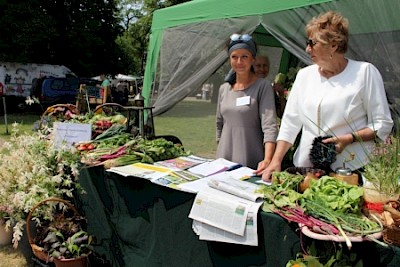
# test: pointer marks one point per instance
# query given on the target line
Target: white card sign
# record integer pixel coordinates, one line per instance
(71, 132)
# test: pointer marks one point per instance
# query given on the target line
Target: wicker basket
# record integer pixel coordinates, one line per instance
(391, 235)
(38, 251)
(60, 108)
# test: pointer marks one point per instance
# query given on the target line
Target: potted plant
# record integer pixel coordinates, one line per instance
(61, 236)
(67, 249)
(32, 169)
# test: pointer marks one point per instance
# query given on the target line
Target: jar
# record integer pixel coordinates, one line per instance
(346, 175)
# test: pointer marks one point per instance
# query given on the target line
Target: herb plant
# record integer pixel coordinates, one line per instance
(383, 169)
(65, 237)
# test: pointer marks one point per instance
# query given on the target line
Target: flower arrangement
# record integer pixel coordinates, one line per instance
(33, 169)
(284, 82)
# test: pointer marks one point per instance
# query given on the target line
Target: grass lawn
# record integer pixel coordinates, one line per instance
(193, 122)
(25, 119)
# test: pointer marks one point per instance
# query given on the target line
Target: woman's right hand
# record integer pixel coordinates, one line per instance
(267, 173)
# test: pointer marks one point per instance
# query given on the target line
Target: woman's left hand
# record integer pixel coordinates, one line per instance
(340, 141)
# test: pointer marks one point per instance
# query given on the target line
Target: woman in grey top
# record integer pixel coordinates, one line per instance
(246, 115)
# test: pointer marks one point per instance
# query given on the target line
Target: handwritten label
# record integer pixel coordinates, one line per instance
(71, 133)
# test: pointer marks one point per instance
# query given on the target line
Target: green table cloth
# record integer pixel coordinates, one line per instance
(138, 223)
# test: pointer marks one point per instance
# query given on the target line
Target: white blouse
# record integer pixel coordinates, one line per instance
(347, 102)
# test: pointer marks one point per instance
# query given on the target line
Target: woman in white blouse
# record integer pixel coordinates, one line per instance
(336, 96)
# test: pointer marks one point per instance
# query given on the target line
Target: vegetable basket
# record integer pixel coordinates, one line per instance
(38, 251)
(60, 109)
(59, 112)
(391, 235)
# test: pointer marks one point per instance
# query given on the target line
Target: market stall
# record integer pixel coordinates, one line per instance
(141, 223)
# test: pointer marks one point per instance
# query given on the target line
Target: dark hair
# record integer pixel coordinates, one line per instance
(243, 41)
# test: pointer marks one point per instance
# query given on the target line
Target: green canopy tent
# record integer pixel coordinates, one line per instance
(188, 41)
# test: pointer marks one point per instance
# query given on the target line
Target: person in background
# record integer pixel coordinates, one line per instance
(120, 93)
(261, 69)
(261, 66)
(246, 118)
(336, 96)
(105, 86)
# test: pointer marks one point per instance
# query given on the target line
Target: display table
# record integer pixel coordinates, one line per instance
(138, 223)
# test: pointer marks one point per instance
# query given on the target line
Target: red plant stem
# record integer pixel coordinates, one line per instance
(297, 215)
(119, 152)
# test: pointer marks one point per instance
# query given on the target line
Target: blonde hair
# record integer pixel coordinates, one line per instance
(330, 27)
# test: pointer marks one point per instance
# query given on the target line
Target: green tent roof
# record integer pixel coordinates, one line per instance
(205, 10)
(189, 38)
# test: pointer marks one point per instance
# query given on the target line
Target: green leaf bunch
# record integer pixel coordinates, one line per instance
(383, 169)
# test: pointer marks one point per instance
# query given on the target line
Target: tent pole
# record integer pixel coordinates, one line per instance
(5, 113)
(284, 65)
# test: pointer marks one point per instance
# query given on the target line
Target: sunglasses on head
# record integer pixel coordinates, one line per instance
(311, 43)
(240, 37)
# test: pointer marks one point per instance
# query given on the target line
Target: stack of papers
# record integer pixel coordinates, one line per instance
(226, 211)
(180, 163)
(141, 170)
(179, 171)
(213, 167)
(156, 174)
(242, 173)
(226, 206)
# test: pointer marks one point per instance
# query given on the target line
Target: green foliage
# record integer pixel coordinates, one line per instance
(326, 254)
(87, 36)
(70, 247)
(137, 17)
(335, 194)
(64, 237)
(287, 80)
(383, 169)
(78, 34)
(32, 168)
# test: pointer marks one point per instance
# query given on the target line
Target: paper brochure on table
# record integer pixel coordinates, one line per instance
(224, 216)
(210, 233)
(238, 188)
(180, 163)
(141, 170)
(221, 210)
(187, 175)
(156, 174)
(213, 167)
(241, 173)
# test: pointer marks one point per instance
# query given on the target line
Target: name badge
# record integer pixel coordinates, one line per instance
(243, 101)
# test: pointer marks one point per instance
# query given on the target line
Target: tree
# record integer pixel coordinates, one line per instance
(77, 33)
(88, 36)
(138, 18)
